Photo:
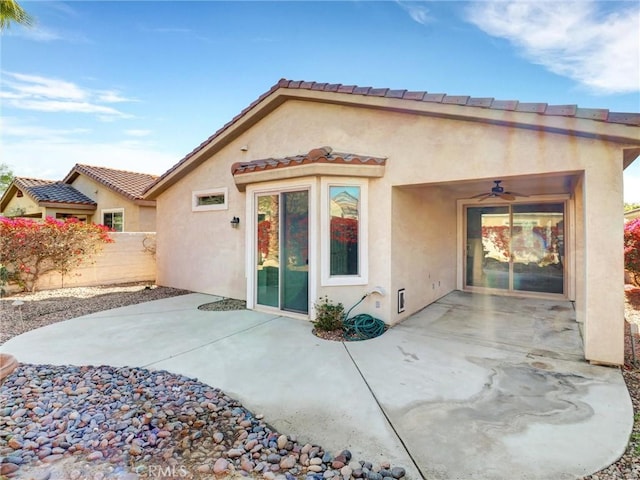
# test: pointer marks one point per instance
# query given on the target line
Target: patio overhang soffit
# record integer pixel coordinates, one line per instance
(319, 161)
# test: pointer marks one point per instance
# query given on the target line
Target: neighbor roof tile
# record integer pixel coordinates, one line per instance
(129, 184)
(50, 191)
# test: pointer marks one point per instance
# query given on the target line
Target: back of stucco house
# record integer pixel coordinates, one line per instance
(323, 189)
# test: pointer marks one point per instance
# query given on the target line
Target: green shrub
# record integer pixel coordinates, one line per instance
(329, 315)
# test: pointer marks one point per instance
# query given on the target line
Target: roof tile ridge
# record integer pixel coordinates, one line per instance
(569, 110)
(119, 170)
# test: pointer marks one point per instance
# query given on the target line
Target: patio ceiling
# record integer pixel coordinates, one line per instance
(532, 185)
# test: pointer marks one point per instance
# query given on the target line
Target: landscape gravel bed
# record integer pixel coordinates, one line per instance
(149, 421)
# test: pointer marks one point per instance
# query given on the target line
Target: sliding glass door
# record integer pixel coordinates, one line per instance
(517, 247)
(282, 266)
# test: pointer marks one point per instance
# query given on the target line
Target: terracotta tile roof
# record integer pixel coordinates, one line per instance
(52, 192)
(487, 102)
(317, 155)
(130, 184)
(490, 103)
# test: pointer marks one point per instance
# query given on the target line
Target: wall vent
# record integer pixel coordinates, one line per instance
(401, 300)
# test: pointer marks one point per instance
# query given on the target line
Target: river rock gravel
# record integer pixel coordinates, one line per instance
(73, 422)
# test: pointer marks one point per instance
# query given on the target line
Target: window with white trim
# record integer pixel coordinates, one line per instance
(211, 199)
(344, 232)
(114, 219)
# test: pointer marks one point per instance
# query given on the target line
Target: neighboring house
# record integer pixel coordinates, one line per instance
(632, 214)
(264, 212)
(94, 194)
(35, 198)
(118, 194)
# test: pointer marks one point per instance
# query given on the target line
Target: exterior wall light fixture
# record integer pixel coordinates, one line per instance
(235, 221)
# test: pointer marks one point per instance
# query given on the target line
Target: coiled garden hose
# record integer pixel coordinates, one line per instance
(362, 326)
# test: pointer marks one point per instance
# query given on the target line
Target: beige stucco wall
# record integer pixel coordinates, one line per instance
(199, 250)
(126, 260)
(25, 204)
(31, 209)
(146, 219)
(136, 218)
(604, 262)
(423, 256)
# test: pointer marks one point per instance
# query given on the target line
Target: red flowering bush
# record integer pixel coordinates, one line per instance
(632, 249)
(29, 248)
(344, 230)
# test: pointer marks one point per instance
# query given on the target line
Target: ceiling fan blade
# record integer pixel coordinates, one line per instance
(483, 197)
(507, 196)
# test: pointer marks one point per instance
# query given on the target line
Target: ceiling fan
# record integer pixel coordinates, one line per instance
(498, 191)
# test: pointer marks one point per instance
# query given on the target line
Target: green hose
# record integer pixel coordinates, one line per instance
(362, 326)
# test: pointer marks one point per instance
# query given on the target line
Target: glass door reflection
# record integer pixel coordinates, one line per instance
(282, 264)
(488, 241)
(516, 247)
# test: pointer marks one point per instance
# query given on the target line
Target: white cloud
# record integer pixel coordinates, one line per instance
(68, 107)
(14, 128)
(138, 132)
(37, 86)
(112, 96)
(44, 94)
(417, 11)
(54, 160)
(40, 151)
(597, 48)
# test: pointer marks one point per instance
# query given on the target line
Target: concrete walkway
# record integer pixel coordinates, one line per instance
(472, 387)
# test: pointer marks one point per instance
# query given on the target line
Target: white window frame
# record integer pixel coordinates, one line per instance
(196, 194)
(363, 233)
(113, 210)
(252, 192)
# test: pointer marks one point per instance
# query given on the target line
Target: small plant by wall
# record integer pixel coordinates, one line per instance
(329, 315)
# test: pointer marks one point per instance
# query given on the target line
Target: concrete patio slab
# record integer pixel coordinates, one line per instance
(470, 411)
(473, 386)
(302, 384)
(138, 335)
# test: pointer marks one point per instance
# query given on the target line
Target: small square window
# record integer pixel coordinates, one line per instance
(216, 199)
(114, 219)
(213, 199)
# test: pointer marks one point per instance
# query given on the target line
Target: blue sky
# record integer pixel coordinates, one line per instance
(137, 85)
